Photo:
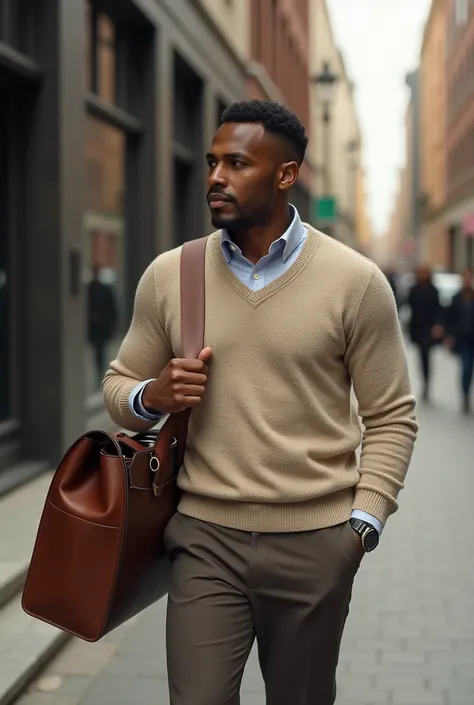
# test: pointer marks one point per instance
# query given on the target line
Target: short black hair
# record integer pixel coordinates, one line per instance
(275, 118)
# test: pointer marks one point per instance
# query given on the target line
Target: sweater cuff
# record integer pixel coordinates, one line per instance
(376, 504)
(124, 400)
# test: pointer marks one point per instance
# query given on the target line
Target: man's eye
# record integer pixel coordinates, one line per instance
(211, 164)
(237, 163)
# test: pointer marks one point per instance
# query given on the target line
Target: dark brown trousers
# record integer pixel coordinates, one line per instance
(289, 591)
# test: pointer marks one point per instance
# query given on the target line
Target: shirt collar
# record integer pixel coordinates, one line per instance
(286, 244)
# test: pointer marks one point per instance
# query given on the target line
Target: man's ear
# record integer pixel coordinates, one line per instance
(287, 175)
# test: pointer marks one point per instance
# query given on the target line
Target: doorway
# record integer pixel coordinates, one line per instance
(13, 211)
(6, 256)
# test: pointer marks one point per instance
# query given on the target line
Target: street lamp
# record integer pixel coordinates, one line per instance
(325, 81)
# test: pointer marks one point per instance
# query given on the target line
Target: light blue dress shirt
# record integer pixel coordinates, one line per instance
(281, 255)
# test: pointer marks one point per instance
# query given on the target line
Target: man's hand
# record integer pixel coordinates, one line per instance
(181, 385)
(437, 332)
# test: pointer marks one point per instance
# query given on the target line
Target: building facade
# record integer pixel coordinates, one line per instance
(231, 18)
(363, 229)
(338, 145)
(106, 110)
(405, 241)
(433, 137)
(412, 240)
(459, 208)
(279, 70)
(395, 238)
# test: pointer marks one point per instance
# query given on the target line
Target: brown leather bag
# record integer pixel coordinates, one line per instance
(99, 557)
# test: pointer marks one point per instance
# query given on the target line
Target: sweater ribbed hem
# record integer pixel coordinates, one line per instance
(318, 513)
(376, 504)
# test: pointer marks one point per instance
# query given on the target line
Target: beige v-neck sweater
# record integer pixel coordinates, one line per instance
(273, 445)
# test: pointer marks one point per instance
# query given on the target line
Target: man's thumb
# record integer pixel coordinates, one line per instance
(205, 354)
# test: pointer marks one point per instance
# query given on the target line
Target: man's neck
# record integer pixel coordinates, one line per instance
(255, 242)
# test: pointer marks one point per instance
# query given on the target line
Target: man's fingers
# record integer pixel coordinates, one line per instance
(205, 354)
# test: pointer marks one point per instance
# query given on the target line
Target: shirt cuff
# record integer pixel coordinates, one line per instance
(136, 405)
(363, 516)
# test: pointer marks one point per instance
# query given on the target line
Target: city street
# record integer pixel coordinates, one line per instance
(410, 634)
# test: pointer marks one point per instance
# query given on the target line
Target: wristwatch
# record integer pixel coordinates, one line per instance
(369, 536)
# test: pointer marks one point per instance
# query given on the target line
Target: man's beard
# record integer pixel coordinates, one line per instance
(228, 221)
(221, 222)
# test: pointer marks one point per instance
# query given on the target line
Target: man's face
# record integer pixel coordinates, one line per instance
(467, 280)
(245, 175)
(423, 275)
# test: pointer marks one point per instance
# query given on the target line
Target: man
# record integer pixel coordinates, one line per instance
(392, 280)
(425, 325)
(460, 329)
(262, 545)
(102, 320)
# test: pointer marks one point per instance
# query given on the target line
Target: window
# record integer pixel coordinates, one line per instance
(103, 247)
(17, 24)
(5, 265)
(101, 55)
(256, 20)
(188, 153)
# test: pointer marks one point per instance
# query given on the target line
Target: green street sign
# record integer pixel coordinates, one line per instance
(325, 209)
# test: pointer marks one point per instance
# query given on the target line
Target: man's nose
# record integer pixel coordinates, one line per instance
(218, 176)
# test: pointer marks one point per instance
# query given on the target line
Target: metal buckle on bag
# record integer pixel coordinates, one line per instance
(154, 463)
(154, 467)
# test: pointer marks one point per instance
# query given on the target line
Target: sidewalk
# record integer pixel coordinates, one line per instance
(410, 634)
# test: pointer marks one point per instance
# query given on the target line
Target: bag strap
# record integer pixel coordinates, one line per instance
(192, 286)
(192, 293)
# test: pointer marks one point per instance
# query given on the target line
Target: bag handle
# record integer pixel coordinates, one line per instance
(192, 288)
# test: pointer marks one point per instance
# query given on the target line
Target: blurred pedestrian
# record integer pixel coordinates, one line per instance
(426, 322)
(275, 512)
(102, 320)
(460, 335)
(392, 280)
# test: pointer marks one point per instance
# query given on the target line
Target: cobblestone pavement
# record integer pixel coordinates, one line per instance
(410, 635)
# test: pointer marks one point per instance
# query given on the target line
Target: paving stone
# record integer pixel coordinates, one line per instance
(122, 690)
(422, 697)
(12, 575)
(27, 502)
(403, 657)
(135, 663)
(396, 680)
(361, 697)
(25, 647)
(75, 660)
(428, 645)
(25, 505)
(45, 699)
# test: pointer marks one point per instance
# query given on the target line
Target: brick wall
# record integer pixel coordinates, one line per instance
(460, 103)
(279, 42)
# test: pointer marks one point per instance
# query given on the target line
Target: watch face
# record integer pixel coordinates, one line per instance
(370, 540)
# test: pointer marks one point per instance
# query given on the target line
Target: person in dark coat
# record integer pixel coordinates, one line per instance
(460, 335)
(425, 326)
(392, 280)
(102, 320)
